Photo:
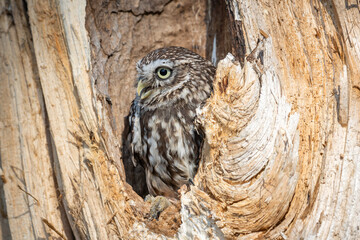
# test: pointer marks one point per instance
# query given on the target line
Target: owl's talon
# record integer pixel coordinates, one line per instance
(158, 205)
(149, 198)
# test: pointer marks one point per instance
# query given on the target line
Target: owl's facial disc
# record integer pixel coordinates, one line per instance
(143, 89)
(154, 78)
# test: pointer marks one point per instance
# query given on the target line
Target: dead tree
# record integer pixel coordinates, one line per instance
(282, 152)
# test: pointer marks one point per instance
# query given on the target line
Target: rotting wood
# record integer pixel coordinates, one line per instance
(253, 181)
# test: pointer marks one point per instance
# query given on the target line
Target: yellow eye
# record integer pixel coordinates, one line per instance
(163, 73)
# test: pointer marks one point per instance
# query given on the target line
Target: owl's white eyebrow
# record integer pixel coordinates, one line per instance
(157, 63)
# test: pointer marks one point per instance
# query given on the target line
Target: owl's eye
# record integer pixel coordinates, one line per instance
(163, 73)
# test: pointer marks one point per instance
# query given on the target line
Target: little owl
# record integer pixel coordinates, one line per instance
(172, 83)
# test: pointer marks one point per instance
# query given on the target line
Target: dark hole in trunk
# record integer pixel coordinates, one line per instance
(122, 32)
(218, 43)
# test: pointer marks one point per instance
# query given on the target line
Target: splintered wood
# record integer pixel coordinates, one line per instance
(247, 178)
(281, 158)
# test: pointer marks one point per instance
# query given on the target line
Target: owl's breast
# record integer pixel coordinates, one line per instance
(169, 147)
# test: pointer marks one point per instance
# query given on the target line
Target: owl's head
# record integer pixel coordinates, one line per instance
(167, 74)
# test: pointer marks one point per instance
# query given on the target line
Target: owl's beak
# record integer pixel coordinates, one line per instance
(142, 90)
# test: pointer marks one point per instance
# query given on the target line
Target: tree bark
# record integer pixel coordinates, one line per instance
(282, 149)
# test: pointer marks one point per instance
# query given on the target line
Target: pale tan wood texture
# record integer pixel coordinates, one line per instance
(282, 151)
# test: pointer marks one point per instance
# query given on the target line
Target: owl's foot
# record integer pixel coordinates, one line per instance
(158, 205)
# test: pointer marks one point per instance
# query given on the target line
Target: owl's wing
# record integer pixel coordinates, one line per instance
(135, 173)
(128, 151)
(199, 135)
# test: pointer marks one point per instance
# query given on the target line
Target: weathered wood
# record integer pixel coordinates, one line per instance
(28, 189)
(83, 162)
(282, 152)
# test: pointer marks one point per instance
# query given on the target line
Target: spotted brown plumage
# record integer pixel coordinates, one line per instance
(172, 83)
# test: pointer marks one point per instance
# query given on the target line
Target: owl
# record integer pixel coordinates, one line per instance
(172, 83)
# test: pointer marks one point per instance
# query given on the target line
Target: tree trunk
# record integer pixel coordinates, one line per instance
(282, 150)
